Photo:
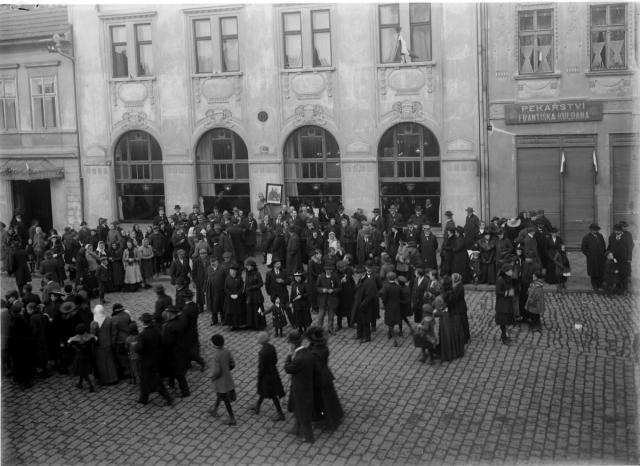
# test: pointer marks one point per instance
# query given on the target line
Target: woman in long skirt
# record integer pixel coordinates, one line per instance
(117, 269)
(131, 261)
(300, 303)
(146, 262)
(234, 304)
(450, 332)
(253, 293)
(457, 304)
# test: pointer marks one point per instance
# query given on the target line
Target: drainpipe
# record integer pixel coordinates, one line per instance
(483, 107)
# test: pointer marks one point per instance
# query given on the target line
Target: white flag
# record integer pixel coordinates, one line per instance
(595, 161)
(562, 163)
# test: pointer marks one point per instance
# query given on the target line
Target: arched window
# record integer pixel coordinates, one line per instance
(409, 170)
(312, 167)
(222, 170)
(139, 177)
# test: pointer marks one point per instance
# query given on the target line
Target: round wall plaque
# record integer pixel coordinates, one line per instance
(263, 116)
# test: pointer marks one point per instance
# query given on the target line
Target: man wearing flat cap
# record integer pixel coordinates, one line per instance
(593, 247)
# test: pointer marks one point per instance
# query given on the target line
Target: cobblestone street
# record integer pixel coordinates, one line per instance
(565, 395)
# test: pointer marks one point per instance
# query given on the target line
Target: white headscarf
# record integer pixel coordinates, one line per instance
(99, 314)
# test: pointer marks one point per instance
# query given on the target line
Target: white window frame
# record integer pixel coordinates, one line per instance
(405, 22)
(129, 21)
(15, 103)
(54, 94)
(216, 37)
(307, 35)
(606, 28)
(554, 35)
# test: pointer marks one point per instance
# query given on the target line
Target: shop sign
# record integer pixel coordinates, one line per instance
(552, 112)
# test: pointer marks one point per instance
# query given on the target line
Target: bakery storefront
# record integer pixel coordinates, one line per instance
(570, 159)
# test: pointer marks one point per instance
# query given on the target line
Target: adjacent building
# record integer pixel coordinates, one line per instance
(563, 105)
(39, 164)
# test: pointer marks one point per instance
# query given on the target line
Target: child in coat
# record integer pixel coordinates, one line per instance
(534, 307)
(83, 343)
(611, 283)
(134, 361)
(278, 316)
(425, 336)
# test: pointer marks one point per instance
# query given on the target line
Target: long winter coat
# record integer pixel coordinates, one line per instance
(391, 295)
(428, 247)
(174, 347)
(593, 247)
(269, 382)
(149, 347)
(105, 364)
(504, 301)
(302, 367)
(222, 365)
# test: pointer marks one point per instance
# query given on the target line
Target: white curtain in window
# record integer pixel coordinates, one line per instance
(389, 45)
(230, 61)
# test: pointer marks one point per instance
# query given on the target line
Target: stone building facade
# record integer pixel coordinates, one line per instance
(357, 103)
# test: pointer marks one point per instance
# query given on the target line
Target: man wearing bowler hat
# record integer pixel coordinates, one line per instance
(471, 227)
(593, 247)
(301, 365)
(328, 287)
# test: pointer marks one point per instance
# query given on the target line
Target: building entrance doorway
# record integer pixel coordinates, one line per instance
(33, 198)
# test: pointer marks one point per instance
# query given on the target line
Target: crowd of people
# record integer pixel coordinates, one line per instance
(340, 271)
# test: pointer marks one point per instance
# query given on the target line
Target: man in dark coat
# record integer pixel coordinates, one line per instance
(158, 243)
(180, 273)
(40, 329)
(377, 221)
(365, 303)
(162, 303)
(269, 382)
(149, 347)
(50, 265)
(419, 286)
(428, 245)
(301, 364)
(471, 227)
(276, 282)
(199, 273)
(294, 251)
(593, 247)
(328, 289)
(619, 246)
(174, 349)
(190, 316)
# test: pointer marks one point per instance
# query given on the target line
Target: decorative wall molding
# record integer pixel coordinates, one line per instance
(133, 93)
(405, 80)
(406, 110)
(133, 119)
(610, 86)
(215, 117)
(217, 89)
(537, 88)
(126, 15)
(310, 114)
(305, 85)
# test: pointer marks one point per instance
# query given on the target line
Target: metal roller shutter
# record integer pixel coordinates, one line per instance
(578, 194)
(539, 181)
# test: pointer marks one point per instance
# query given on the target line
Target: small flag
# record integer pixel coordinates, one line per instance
(595, 162)
(563, 163)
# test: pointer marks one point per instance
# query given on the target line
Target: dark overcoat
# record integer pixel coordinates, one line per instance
(302, 368)
(504, 302)
(174, 347)
(269, 382)
(593, 247)
(391, 295)
(149, 347)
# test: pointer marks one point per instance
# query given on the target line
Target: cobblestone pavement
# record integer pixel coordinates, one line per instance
(565, 395)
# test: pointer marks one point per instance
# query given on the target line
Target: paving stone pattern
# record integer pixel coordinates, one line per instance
(564, 395)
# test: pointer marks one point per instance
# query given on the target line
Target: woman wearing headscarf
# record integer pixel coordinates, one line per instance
(102, 328)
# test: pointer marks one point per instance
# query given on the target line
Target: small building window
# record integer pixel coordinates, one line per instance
(139, 176)
(139, 38)
(397, 47)
(535, 35)
(224, 55)
(8, 118)
(608, 37)
(222, 170)
(304, 45)
(44, 96)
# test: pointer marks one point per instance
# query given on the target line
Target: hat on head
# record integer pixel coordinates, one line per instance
(17, 307)
(505, 268)
(623, 224)
(294, 338)
(158, 288)
(67, 307)
(402, 279)
(217, 340)
(117, 307)
(196, 206)
(359, 269)
(275, 259)
(57, 291)
(368, 264)
(298, 273)
(329, 266)
(460, 229)
(133, 328)
(513, 222)
(316, 335)
(227, 255)
(500, 231)
(553, 230)
(617, 227)
(594, 226)
(469, 209)
(250, 262)
(530, 254)
(376, 211)
(176, 207)
(448, 213)
(187, 293)
(533, 213)
(234, 265)
(540, 212)
(146, 318)
(391, 276)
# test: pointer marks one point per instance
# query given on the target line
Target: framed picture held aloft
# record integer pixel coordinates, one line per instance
(274, 193)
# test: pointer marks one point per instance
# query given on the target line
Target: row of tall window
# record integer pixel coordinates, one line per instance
(405, 35)
(44, 103)
(408, 162)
